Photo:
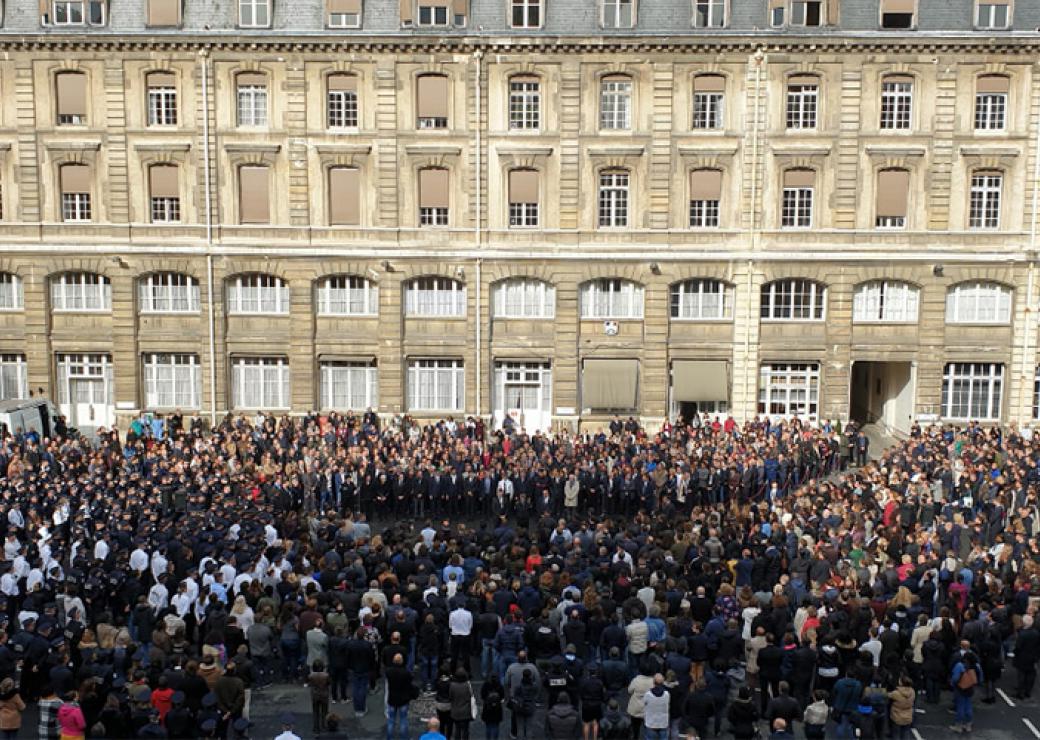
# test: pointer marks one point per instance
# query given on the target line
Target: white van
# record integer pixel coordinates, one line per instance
(37, 414)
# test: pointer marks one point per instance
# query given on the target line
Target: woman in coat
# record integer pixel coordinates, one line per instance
(743, 716)
(460, 694)
(901, 711)
(933, 667)
(11, 708)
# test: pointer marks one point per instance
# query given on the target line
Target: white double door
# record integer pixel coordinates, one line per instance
(85, 392)
(523, 393)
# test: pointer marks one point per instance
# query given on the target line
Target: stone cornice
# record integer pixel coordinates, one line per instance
(333, 149)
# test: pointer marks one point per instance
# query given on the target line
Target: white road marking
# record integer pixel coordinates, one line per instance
(1006, 698)
(921, 711)
(916, 734)
(1032, 727)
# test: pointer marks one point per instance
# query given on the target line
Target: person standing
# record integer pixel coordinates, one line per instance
(1027, 652)
(460, 625)
(318, 680)
(461, 694)
(399, 693)
(11, 708)
(966, 675)
(656, 703)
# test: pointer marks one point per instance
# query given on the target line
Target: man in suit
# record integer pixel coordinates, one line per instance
(1027, 652)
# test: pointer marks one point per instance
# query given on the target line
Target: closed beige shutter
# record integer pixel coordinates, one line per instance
(523, 186)
(75, 178)
(709, 83)
(254, 195)
(162, 79)
(433, 96)
(344, 6)
(72, 94)
(897, 6)
(893, 191)
(344, 196)
(799, 178)
(347, 83)
(803, 80)
(700, 380)
(609, 384)
(164, 12)
(433, 188)
(460, 7)
(251, 79)
(706, 185)
(162, 181)
(406, 12)
(899, 79)
(993, 84)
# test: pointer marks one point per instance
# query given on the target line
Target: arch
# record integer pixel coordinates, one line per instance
(979, 301)
(700, 299)
(793, 299)
(80, 291)
(167, 291)
(523, 297)
(885, 301)
(346, 294)
(611, 298)
(256, 293)
(434, 296)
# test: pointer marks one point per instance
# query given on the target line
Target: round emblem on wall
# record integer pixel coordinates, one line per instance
(610, 328)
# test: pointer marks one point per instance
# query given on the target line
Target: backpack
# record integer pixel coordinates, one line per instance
(968, 679)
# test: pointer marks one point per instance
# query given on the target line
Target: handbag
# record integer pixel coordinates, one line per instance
(473, 712)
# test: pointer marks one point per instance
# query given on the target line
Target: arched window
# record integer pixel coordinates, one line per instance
(81, 291)
(257, 293)
(793, 299)
(523, 298)
(978, 303)
(347, 295)
(435, 297)
(611, 298)
(168, 292)
(702, 299)
(885, 301)
(11, 294)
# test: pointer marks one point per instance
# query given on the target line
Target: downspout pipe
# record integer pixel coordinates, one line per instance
(204, 56)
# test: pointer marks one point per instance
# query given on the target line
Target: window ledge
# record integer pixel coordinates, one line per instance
(173, 146)
(72, 146)
(361, 149)
(616, 150)
(800, 150)
(988, 150)
(433, 149)
(250, 148)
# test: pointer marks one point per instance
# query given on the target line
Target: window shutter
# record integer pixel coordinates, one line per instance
(72, 94)
(75, 178)
(162, 79)
(344, 196)
(460, 7)
(164, 12)
(162, 181)
(527, 79)
(706, 185)
(433, 188)
(248, 79)
(893, 191)
(433, 96)
(617, 78)
(347, 83)
(993, 84)
(523, 186)
(799, 178)
(897, 6)
(803, 80)
(406, 12)
(899, 79)
(254, 195)
(709, 83)
(344, 6)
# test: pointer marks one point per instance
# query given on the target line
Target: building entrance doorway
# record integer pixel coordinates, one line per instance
(882, 393)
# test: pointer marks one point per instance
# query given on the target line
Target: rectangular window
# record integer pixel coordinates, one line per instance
(802, 99)
(254, 13)
(342, 101)
(168, 292)
(72, 98)
(254, 195)
(789, 389)
(885, 301)
(991, 100)
(85, 379)
(75, 207)
(897, 14)
(14, 382)
(807, 12)
(978, 303)
(433, 197)
(796, 207)
(523, 198)
(258, 294)
(79, 12)
(172, 381)
(992, 14)
(708, 97)
(260, 383)
(897, 97)
(523, 298)
(164, 13)
(705, 194)
(164, 193)
(776, 13)
(252, 100)
(793, 300)
(75, 192)
(611, 298)
(700, 300)
(984, 205)
(162, 100)
(348, 295)
(436, 385)
(433, 15)
(709, 13)
(617, 13)
(526, 13)
(613, 199)
(12, 296)
(344, 196)
(349, 385)
(81, 291)
(433, 297)
(972, 391)
(432, 102)
(525, 103)
(344, 13)
(1036, 393)
(615, 103)
(893, 192)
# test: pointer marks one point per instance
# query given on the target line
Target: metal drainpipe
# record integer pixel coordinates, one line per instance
(204, 54)
(478, 58)
(1031, 318)
(758, 58)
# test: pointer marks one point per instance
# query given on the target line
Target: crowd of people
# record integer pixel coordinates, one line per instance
(753, 579)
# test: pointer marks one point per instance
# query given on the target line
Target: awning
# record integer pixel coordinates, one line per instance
(700, 380)
(609, 384)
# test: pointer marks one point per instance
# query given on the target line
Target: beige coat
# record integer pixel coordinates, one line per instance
(902, 712)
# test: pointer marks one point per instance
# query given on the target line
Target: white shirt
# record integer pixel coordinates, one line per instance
(193, 588)
(158, 597)
(288, 735)
(9, 584)
(181, 603)
(460, 622)
(229, 573)
(270, 537)
(35, 578)
(139, 560)
(15, 518)
(158, 565)
(11, 548)
(100, 550)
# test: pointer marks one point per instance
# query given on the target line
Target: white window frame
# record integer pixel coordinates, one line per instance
(76, 207)
(436, 385)
(172, 381)
(252, 105)
(615, 105)
(254, 13)
(984, 201)
(611, 13)
(802, 106)
(429, 15)
(80, 292)
(796, 208)
(168, 292)
(162, 105)
(165, 209)
(793, 386)
(978, 302)
(885, 302)
(257, 294)
(347, 295)
(700, 299)
(800, 18)
(897, 106)
(527, 8)
(260, 383)
(972, 386)
(991, 110)
(525, 105)
(341, 109)
(709, 13)
(613, 199)
(75, 366)
(611, 298)
(349, 385)
(433, 216)
(793, 299)
(344, 20)
(708, 110)
(523, 298)
(14, 377)
(987, 16)
(704, 214)
(435, 297)
(79, 12)
(12, 292)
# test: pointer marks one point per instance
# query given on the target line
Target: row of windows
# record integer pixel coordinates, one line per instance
(524, 102)
(797, 206)
(613, 14)
(793, 299)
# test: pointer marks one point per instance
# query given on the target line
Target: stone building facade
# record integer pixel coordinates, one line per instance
(556, 211)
